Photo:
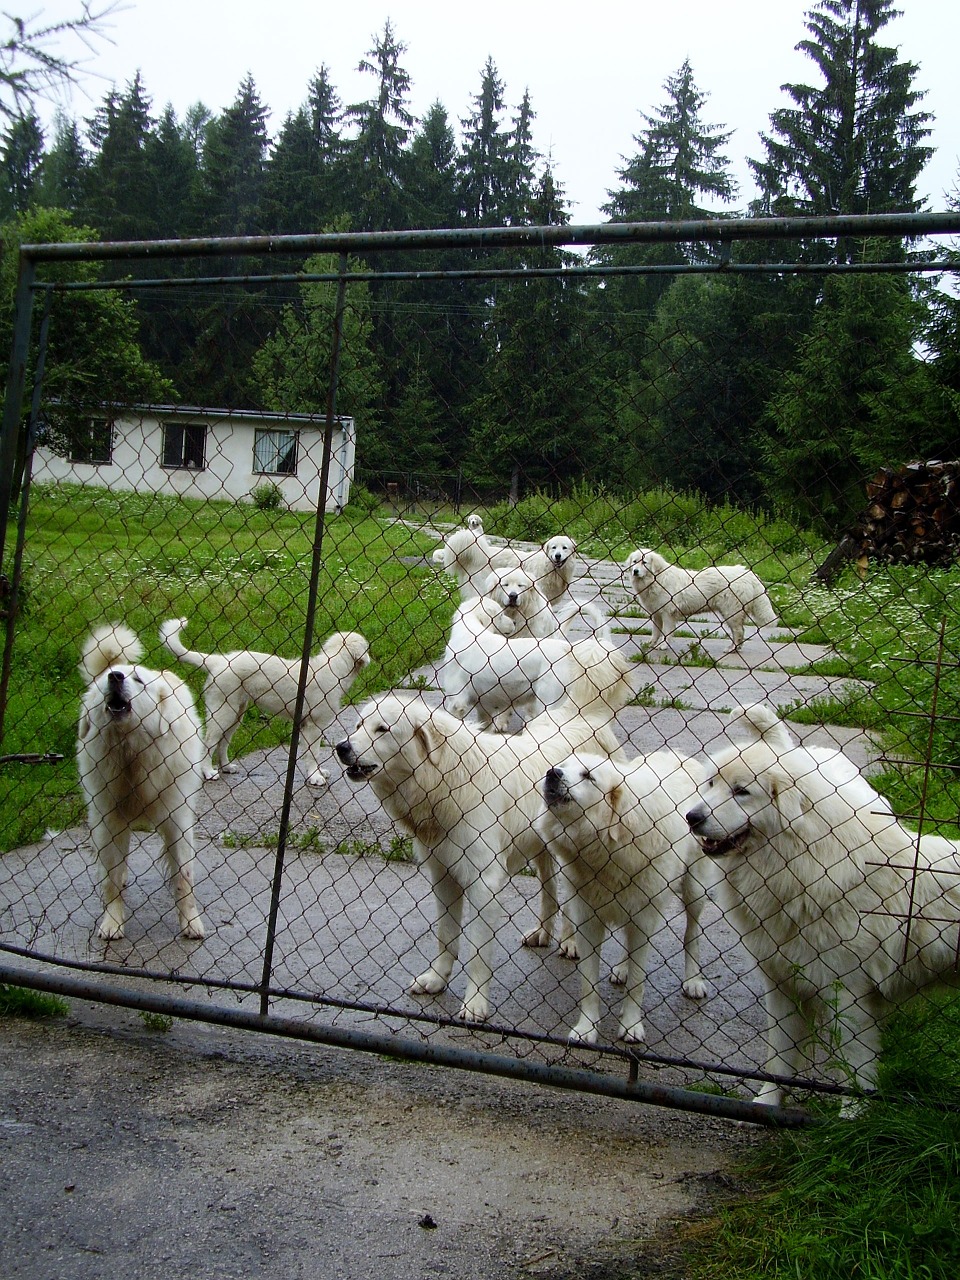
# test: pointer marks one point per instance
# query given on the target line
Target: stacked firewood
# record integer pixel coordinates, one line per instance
(913, 514)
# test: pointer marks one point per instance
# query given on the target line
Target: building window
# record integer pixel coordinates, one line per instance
(184, 445)
(92, 442)
(275, 453)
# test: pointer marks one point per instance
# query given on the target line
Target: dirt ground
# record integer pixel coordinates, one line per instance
(203, 1151)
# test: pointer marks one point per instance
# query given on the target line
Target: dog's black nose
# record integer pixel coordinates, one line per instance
(695, 817)
(553, 785)
(513, 598)
(345, 751)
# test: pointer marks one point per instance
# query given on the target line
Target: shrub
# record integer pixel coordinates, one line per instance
(267, 497)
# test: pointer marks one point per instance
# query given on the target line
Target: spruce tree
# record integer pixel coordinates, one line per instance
(376, 159)
(854, 142)
(63, 169)
(234, 161)
(484, 160)
(20, 163)
(121, 195)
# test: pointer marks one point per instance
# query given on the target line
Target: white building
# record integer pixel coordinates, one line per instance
(219, 454)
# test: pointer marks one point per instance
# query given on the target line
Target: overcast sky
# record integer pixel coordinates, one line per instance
(590, 72)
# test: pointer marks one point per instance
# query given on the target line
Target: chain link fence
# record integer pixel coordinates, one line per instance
(492, 662)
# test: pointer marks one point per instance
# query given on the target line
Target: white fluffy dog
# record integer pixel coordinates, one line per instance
(845, 911)
(493, 674)
(670, 593)
(139, 757)
(469, 556)
(553, 567)
(469, 800)
(244, 677)
(523, 608)
(617, 831)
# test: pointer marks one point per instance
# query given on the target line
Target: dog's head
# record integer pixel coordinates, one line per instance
(351, 646)
(474, 522)
(393, 737)
(510, 588)
(585, 795)
(559, 550)
(127, 697)
(642, 565)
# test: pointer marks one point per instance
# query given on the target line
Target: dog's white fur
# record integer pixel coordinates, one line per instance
(469, 800)
(139, 757)
(244, 677)
(617, 832)
(670, 593)
(493, 674)
(469, 556)
(821, 879)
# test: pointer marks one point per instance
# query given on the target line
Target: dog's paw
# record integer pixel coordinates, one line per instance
(633, 1034)
(695, 988)
(585, 1032)
(430, 983)
(770, 1095)
(194, 930)
(230, 768)
(569, 950)
(110, 928)
(474, 1010)
(539, 937)
(618, 974)
(211, 775)
(317, 779)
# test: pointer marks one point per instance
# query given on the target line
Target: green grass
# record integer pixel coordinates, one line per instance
(22, 1002)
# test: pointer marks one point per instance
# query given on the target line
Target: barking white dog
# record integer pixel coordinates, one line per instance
(670, 593)
(139, 757)
(845, 911)
(244, 677)
(617, 831)
(469, 800)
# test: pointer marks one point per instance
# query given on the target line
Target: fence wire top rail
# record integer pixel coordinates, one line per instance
(621, 233)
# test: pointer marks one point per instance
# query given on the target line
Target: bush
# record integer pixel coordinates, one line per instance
(362, 501)
(267, 497)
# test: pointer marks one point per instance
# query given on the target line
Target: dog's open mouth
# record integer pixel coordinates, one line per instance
(728, 844)
(360, 772)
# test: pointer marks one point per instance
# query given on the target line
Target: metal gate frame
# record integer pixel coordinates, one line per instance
(718, 231)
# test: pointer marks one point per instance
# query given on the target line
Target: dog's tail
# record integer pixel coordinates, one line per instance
(106, 646)
(764, 725)
(170, 637)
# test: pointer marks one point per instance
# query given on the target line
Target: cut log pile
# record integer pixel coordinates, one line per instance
(913, 514)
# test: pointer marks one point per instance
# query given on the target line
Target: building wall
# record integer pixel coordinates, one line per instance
(228, 473)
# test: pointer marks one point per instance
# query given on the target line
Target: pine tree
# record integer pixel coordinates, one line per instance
(679, 165)
(303, 186)
(121, 196)
(376, 159)
(174, 175)
(234, 160)
(484, 160)
(522, 158)
(63, 169)
(20, 162)
(432, 172)
(854, 143)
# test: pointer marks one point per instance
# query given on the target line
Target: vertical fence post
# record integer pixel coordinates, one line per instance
(17, 566)
(308, 635)
(16, 381)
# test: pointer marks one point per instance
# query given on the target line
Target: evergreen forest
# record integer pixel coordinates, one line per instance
(779, 389)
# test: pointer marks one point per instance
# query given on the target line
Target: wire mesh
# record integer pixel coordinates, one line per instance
(479, 662)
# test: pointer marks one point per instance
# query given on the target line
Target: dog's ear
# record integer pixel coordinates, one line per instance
(425, 734)
(787, 798)
(619, 801)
